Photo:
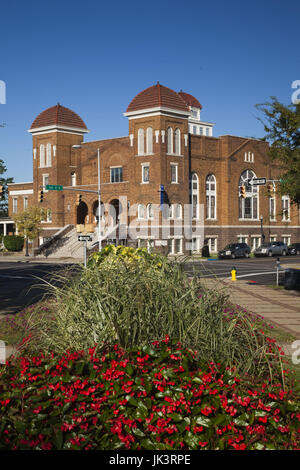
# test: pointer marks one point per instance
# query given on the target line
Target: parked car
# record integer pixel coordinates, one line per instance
(272, 248)
(294, 249)
(235, 250)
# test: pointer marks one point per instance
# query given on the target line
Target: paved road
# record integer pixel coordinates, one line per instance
(18, 280)
(257, 270)
(19, 284)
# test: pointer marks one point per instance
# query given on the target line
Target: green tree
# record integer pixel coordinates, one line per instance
(29, 222)
(282, 126)
(3, 182)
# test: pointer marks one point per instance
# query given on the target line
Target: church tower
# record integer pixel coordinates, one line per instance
(54, 132)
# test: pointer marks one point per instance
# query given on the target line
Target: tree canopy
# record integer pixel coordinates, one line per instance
(282, 126)
(29, 221)
(3, 182)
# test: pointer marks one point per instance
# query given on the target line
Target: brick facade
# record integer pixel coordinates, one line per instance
(225, 157)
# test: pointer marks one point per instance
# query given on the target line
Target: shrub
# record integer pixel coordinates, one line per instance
(134, 303)
(161, 396)
(13, 242)
(112, 254)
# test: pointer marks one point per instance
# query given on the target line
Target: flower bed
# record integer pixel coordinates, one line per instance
(156, 397)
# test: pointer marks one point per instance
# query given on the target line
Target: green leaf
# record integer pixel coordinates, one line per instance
(197, 380)
(202, 421)
(270, 447)
(129, 369)
(142, 409)
(192, 440)
(258, 446)
(58, 439)
(220, 419)
(137, 432)
(196, 410)
(79, 367)
(150, 351)
(240, 422)
(259, 414)
(147, 444)
(176, 417)
(132, 401)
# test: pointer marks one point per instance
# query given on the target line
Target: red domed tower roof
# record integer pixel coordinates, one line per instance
(58, 115)
(190, 100)
(157, 96)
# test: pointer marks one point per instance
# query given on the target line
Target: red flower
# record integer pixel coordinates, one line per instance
(263, 419)
(197, 429)
(46, 446)
(202, 444)
(37, 410)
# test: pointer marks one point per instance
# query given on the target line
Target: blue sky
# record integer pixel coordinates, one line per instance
(95, 56)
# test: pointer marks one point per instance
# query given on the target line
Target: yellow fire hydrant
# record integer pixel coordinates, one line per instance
(233, 274)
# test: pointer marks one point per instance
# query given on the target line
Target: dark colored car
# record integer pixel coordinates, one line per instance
(235, 250)
(294, 249)
(272, 248)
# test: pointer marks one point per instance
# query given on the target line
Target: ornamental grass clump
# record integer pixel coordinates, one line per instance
(137, 302)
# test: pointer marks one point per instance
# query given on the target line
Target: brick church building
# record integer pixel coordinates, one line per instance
(170, 173)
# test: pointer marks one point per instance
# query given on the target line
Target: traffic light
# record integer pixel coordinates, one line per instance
(41, 195)
(2, 192)
(270, 189)
(243, 191)
(78, 199)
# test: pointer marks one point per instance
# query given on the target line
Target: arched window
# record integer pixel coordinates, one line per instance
(170, 139)
(141, 142)
(73, 178)
(211, 197)
(48, 156)
(42, 155)
(177, 211)
(195, 195)
(248, 206)
(141, 211)
(177, 142)
(149, 140)
(149, 211)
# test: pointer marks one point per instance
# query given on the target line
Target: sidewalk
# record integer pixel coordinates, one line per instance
(33, 259)
(282, 308)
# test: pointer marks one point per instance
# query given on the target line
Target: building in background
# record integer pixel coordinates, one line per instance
(170, 156)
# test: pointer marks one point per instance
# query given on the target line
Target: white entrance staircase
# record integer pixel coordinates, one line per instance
(65, 244)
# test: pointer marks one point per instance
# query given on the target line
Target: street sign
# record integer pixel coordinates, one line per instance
(84, 238)
(257, 181)
(55, 187)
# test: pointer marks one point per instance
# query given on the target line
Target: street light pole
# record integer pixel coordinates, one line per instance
(99, 196)
(261, 230)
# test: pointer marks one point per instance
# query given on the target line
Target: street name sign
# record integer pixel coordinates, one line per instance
(56, 187)
(84, 238)
(257, 181)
